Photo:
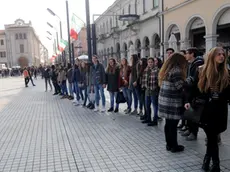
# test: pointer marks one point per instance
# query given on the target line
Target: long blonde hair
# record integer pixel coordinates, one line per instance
(176, 60)
(212, 75)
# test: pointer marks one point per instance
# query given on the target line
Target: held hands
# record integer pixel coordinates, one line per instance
(187, 106)
(135, 84)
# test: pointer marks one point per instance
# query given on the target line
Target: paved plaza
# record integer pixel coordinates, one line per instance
(41, 132)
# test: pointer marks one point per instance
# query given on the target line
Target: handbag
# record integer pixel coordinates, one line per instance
(194, 113)
(120, 98)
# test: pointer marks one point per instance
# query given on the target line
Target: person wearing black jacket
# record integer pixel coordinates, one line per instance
(54, 76)
(47, 73)
(194, 62)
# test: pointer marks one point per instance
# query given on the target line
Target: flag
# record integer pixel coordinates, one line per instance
(73, 30)
(63, 43)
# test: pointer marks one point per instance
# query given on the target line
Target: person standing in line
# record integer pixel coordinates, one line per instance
(172, 78)
(99, 81)
(54, 76)
(47, 74)
(150, 85)
(70, 81)
(211, 84)
(112, 78)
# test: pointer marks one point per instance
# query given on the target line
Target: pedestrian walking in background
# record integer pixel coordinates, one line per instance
(47, 75)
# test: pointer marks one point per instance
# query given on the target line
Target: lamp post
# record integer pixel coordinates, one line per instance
(88, 31)
(55, 30)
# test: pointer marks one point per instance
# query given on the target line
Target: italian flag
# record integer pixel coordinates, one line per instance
(54, 56)
(62, 45)
(73, 30)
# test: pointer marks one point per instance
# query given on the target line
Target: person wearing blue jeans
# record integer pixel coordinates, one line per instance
(99, 81)
(128, 96)
(112, 78)
(76, 80)
(150, 84)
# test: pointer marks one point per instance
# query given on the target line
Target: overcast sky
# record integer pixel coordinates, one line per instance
(35, 10)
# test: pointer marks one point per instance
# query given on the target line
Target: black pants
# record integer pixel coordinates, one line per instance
(212, 149)
(47, 81)
(27, 80)
(56, 87)
(193, 127)
(171, 132)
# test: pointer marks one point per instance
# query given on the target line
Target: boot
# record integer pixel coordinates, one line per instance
(216, 166)
(206, 162)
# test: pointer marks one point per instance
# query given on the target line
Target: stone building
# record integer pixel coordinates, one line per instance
(3, 56)
(162, 24)
(122, 38)
(198, 23)
(22, 43)
(80, 44)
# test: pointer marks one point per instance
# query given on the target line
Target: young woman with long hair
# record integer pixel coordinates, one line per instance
(84, 73)
(112, 78)
(133, 79)
(211, 84)
(124, 83)
(140, 91)
(171, 107)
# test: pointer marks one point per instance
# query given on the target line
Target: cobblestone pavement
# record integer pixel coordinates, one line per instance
(41, 132)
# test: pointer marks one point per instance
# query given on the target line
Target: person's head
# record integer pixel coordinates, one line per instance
(124, 62)
(92, 88)
(143, 62)
(53, 67)
(175, 61)
(191, 54)
(183, 52)
(95, 59)
(83, 65)
(150, 62)
(112, 62)
(134, 59)
(157, 62)
(215, 71)
(170, 51)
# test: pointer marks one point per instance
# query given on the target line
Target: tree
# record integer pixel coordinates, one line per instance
(23, 62)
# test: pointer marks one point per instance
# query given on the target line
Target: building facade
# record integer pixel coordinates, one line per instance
(80, 44)
(120, 39)
(3, 55)
(22, 44)
(198, 23)
(43, 55)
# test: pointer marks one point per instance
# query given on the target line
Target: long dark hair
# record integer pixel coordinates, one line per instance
(134, 62)
(144, 65)
(111, 69)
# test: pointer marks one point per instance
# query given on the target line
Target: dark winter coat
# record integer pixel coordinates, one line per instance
(98, 74)
(215, 114)
(112, 80)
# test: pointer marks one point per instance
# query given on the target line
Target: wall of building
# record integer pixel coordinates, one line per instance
(3, 54)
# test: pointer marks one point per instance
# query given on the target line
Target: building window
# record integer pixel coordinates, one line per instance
(2, 42)
(3, 54)
(20, 36)
(155, 3)
(16, 36)
(21, 48)
(135, 6)
(129, 9)
(25, 36)
(144, 6)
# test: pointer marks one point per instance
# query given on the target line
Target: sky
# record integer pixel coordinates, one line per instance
(36, 12)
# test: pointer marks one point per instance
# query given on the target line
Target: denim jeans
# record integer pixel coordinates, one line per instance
(139, 96)
(135, 96)
(85, 89)
(154, 101)
(128, 96)
(64, 88)
(113, 95)
(99, 88)
(76, 90)
(70, 86)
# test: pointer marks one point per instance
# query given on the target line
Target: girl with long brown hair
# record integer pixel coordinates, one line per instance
(112, 78)
(124, 83)
(171, 80)
(212, 86)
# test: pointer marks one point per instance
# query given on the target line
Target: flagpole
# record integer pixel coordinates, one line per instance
(88, 31)
(71, 61)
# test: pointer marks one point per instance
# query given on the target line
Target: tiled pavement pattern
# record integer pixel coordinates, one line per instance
(40, 132)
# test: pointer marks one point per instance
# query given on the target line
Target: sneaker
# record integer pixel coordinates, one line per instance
(134, 112)
(103, 109)
(128, 111)
(191, 137)
(96, 109)
(159, 118)
(184, 128)
(116, 110)
(185, 133)
(76, 103)
(140, 113)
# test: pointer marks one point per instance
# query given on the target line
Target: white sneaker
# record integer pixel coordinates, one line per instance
(80, 102)
(96, 109)
(76, 103)
(103, 109)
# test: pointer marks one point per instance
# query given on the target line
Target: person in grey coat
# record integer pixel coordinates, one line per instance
(170, 106)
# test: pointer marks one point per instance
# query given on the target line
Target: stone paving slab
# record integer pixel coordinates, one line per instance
(41, 132)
